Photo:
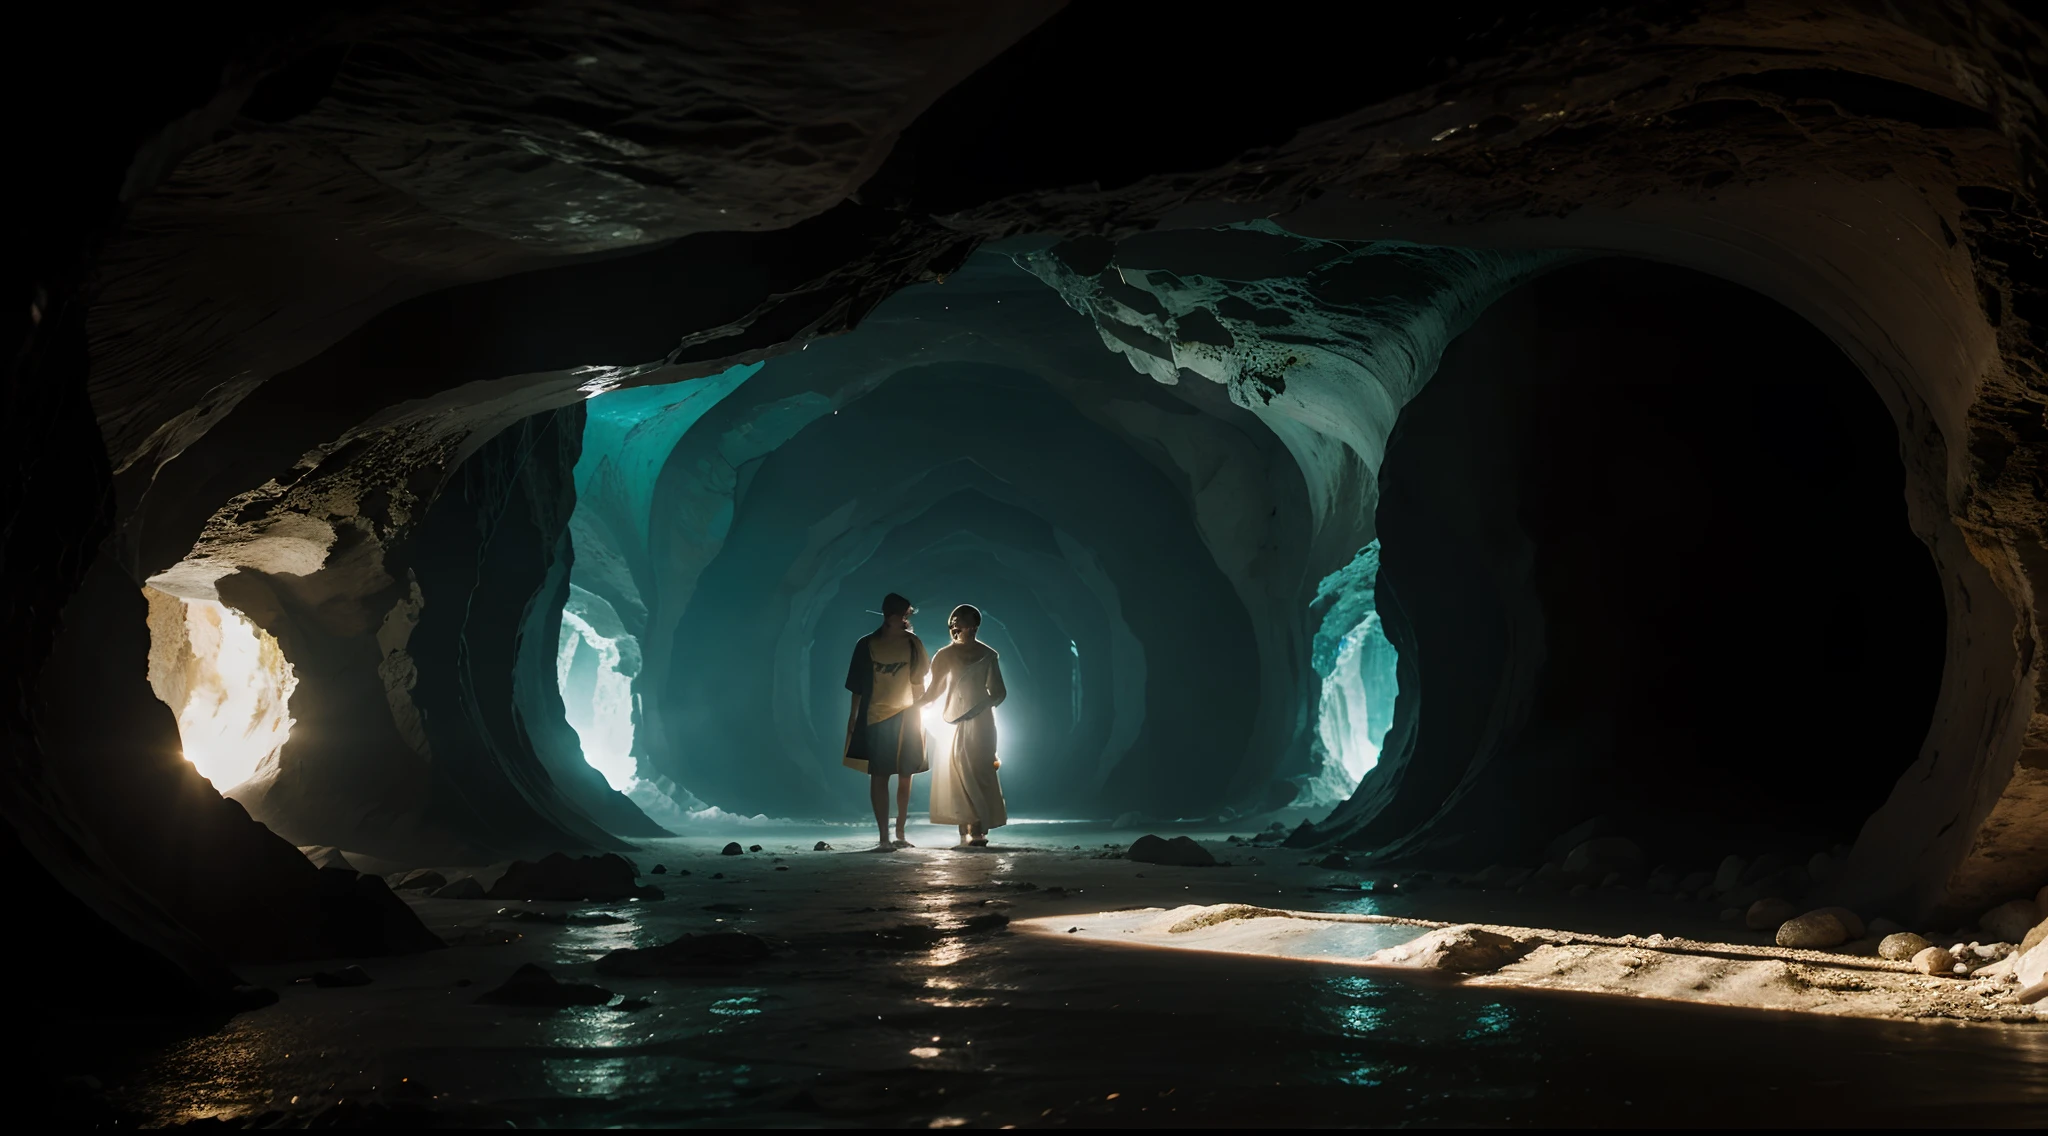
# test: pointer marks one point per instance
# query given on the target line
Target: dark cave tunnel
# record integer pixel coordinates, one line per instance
(1629, 462)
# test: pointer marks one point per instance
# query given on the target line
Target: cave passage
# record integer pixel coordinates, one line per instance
(969, 444)
(1556, 503)
(228, 683)
(1646, 535)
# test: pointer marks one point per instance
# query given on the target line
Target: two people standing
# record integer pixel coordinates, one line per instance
(884, 731)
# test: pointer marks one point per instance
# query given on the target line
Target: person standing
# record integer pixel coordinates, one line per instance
(884, 732)
(967, 675)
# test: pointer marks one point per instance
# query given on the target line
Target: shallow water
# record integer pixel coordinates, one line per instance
(847, 1025)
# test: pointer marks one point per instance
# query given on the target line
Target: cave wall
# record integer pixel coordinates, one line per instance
(1877, 169)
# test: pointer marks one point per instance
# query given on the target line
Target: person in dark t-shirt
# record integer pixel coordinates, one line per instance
(884, 731)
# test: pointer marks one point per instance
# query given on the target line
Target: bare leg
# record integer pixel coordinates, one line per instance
(878, 796)
(963, 835)
(902, 809)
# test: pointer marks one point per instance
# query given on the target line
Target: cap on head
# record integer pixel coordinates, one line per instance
(893, 604)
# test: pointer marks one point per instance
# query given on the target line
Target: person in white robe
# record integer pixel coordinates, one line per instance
(967, 685)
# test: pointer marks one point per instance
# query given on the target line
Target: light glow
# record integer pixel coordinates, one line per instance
(229, 684)
(604, 720)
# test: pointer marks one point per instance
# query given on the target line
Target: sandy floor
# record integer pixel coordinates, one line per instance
(879, 1007)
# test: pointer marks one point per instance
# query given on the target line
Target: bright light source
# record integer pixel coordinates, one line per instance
(228, 683)
(600, 707)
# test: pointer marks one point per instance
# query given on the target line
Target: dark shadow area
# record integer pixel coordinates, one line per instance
(1649, 544)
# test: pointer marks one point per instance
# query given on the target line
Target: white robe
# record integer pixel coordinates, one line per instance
(965, 789)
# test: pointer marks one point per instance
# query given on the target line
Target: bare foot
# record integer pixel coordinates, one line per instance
(979, 842)
(902, 843)
(884, 846)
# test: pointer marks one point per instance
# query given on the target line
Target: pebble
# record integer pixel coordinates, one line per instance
(1934, 960)
(1766, 914)
(1815, 930)
(1902, 946)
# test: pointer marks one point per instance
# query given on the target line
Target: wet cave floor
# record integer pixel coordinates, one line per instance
(854, 1022)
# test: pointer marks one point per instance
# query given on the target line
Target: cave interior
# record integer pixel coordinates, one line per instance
(1597, 456)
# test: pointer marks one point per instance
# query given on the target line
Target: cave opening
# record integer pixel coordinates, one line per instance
(227, 681)
(1646, 532)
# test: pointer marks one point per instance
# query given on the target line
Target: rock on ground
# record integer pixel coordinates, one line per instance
(1902, 947)
(2009, 922)
(1813, 931)
(556, 876)
(2030, 966)
(532, 986)
(1852, 923)
(419, 879)
(1766, 914)
(1465, 949)
(1181, 851)
(1935, 960)
(1593, 861)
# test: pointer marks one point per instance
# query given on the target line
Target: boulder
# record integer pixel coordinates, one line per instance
(1882, 927)
(1594, 860)
(1696, 882)
(2030, 965)
(990, 921)
(1766, 914)
(732, 849)
(1576, 835)
(2034, 937)
(821, 846)
(419, 879)
(1464, 949)
(1762, 867)
(1549, 877)
(753, 847)
(2009, 922)
(684, 955)
(1662, 881)
(1729, 873)
(532, 986)
(1852, 923)
(555, 876)
(1901, 946)
(1493, 876)
(461, 887)
(1934, 960)
(1813, 931)
(658, 870)
(1181, 851)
